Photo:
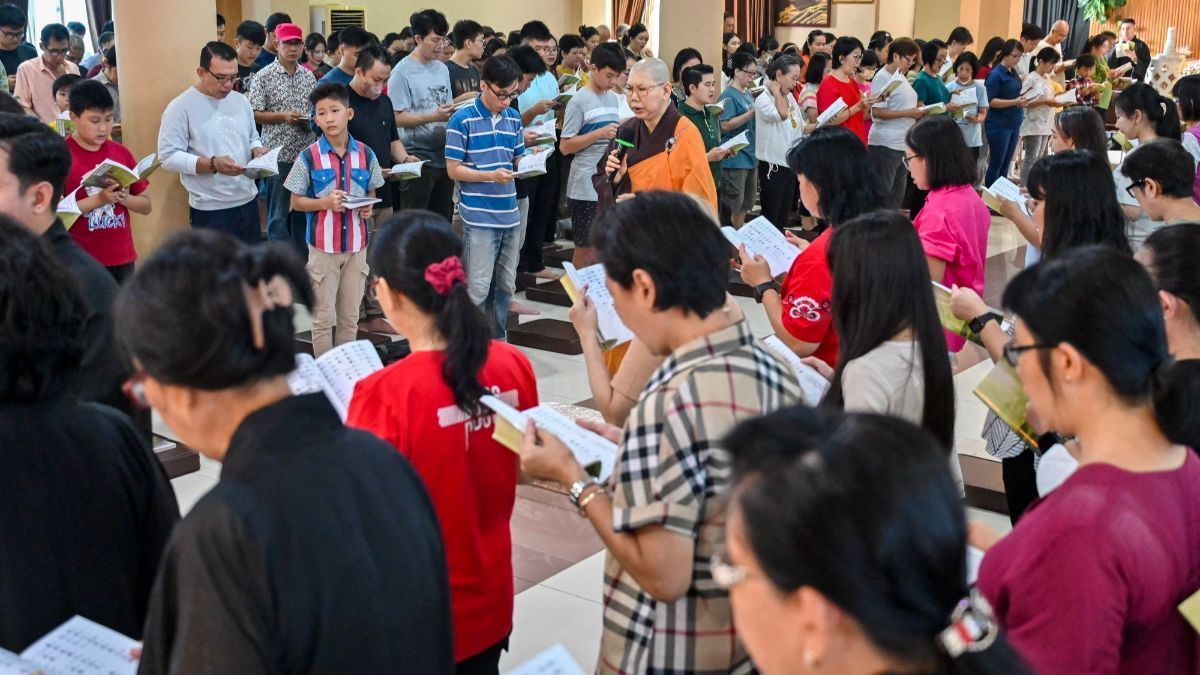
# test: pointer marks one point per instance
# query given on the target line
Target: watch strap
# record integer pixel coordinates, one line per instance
(764, 287)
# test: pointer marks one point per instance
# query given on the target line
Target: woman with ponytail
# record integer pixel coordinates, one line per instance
(1089, 579)
(427, 407)
(318, 549)
(844, 551)
(1143, 116)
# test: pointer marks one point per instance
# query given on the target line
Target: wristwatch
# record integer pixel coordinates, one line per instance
(579, 486)
(976, 325)
(771, 285)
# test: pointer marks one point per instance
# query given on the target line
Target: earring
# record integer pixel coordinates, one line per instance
(810, 660)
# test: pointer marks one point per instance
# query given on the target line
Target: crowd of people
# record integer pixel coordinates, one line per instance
(746, 525)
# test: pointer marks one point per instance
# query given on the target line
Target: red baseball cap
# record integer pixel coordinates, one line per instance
(286, 32)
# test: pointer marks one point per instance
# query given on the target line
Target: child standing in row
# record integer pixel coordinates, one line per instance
(1039, 114)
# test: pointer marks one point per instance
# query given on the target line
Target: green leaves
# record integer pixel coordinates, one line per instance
(1099, 10)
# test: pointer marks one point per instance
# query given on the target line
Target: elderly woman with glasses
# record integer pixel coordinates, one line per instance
(658, 149)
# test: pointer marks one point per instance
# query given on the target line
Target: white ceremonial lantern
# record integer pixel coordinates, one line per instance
(1166, 68)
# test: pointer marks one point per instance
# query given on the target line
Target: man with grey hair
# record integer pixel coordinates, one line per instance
(622, 29)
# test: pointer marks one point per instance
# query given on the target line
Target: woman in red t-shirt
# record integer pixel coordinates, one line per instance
(840, 83)
(427, 406)
(837, 183)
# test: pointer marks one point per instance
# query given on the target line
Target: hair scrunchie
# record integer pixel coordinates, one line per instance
(445, 274)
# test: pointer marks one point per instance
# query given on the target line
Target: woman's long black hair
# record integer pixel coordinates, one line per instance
(405, 247)
(1081, 205)
(877, 296)
(835, 161)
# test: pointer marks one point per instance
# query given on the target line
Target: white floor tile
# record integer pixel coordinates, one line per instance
(190, 488)
(543, 617)
(584, 579)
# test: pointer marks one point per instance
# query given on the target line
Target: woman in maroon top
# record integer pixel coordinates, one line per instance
(427, 406)
(1090, 578)
(840, 83)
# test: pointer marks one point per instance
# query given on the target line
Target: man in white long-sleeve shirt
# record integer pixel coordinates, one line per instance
(207, 136)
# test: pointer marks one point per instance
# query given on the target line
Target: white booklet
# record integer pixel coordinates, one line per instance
(934, 108)
(1004, 188)
(595, 454)
(966, 97)
(335, 373)
(546, 133)
(266, 165)
(554, 661)
(351, 203)
(1120, 71)
(974, 560)
(407, 170)
(613, 331)
(737, 143)
(830, 112)
(113, 170)
(533, 164)
(1068, 97)
(946, 70)
(813, 385)
(79, 646)
(892, 85)
(763, 238)
(68, 209)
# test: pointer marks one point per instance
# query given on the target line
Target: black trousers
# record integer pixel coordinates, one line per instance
(486, 662)
(777, 193)
(1020, 483)
(543, 216)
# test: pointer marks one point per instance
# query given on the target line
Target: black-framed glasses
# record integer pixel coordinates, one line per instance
(223, 79)
(57, 52)
(14, 34)
(1012, 350)
(1135, 185)
(908, 159)
(751, 73)
(504, 95)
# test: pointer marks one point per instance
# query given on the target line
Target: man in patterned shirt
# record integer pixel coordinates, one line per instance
(279, 95)
(667, 261)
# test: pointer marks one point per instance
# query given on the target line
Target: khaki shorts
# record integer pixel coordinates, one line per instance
(739, 188)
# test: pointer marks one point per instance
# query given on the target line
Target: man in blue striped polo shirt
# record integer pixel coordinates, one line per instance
(484, 141)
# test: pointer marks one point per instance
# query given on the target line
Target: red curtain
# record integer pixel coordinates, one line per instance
(752, 17)
(628, 11)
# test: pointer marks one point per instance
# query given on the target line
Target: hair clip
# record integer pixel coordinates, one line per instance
(971, 629)
(266, 295)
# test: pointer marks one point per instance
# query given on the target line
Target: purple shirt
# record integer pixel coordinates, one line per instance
(1090, 579)
(954, 227)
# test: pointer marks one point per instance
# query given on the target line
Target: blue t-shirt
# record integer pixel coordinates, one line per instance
(336, 76)
(738, 103)
(483, 141)
(972, 132)
(544, 87)
(1004, 84)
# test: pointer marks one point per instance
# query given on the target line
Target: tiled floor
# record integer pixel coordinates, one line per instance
(557, 558)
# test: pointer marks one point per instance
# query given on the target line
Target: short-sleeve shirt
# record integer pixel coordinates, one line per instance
(585, 113)
(103, 232)
(1084, 98)
(336, 76)
(374, 124)
(1039, 120)
(930, 89)
(739, 103)
(544, 87)
(485, 141)
(463, 80)
(672, 472)
(972, 131)
(318, 171)
(832, 89)
(1004, 84)
(273, 89)
(808, 299)
(953, 227)
(890, 133)
(1116, 552)
(419, 88)
(471, 478)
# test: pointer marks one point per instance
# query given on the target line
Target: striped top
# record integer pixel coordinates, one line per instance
(318, 171)
(485, 142)
(587, 112)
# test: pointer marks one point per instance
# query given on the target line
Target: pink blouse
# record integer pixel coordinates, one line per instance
(953, 227)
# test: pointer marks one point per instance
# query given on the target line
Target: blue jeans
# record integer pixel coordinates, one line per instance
(283, 224)
(1003, 145)
(490, 254)
(240, 221)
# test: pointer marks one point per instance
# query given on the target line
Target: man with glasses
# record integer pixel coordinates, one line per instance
(484, 142)
(538, 106)
(14, 50)
(421, 98)
(207, 136)
(35, 77)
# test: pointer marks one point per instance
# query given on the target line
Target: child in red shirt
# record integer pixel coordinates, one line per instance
(103, 228)
(427, 407)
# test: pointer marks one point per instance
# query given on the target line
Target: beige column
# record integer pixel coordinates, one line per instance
(151, 76)
(689, 23)
(596, 12)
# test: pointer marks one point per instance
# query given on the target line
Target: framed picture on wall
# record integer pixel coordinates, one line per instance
(853, 2)
(802, 13)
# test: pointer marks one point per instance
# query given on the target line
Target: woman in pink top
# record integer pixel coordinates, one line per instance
(1090, 578)
(954, 222)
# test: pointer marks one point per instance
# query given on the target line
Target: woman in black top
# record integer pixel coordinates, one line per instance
(319, 550)
(85, 508)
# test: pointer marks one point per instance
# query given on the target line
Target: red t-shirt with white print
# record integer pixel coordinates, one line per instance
(807, 298)
(104, 232)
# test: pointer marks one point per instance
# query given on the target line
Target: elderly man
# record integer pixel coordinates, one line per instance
(668, 151)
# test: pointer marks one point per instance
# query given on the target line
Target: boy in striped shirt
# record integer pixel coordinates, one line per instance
(484, 142)
(327, 174)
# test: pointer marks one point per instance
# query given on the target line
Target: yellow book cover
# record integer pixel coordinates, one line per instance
(1002, 393)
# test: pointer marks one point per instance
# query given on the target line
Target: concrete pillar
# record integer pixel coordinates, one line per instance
(151, 76)
(689, 23)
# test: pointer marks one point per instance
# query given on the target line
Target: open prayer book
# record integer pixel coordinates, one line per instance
(569, 79)
(335, 373)
(1005, 189)
(595, 454)
(107, 170)
(947, 70)
(1068, 97)
(566, 95)
(554, 661)
(893, 84)
(266, 165)
(737, 143)
(966, 97)
(1121, 70)
(813, 385)
(941, 298)
(68, 209)
(533, 164)
(717, 108)
(762, 238)
(831, 112)
(77, 646)
(63, 124)
(545, 132)
(934, 109)
(406, 171)
(613, 331)
(1001, 391)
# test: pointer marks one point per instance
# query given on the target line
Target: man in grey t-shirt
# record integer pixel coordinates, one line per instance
(421, 97)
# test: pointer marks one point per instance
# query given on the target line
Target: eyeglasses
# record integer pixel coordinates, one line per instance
(504, 95)
(639, 92)
(1135, 185)
(751, 73)
(1012, 351)
(725, 574)
(135, 390)
(58, 52)
(222, 79)
(907, 159)
(436, 39)
(14, 34)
